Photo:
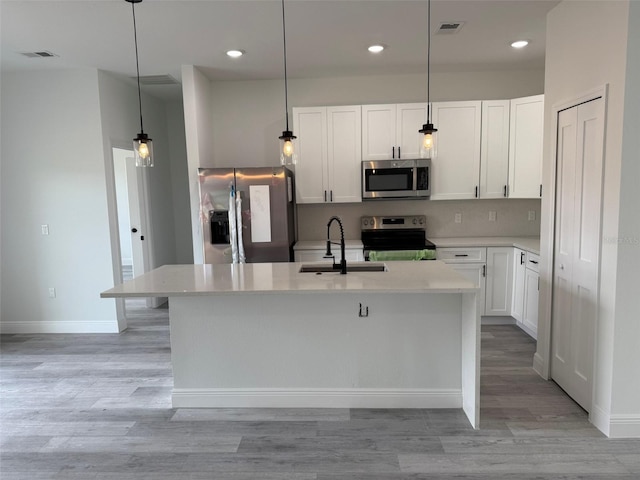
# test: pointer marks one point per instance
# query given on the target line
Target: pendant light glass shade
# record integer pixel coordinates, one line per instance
(288, 148)
(143, 149)
(427, 130)
(288, 144)
(142, 145)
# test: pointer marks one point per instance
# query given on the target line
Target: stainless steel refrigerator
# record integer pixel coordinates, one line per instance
(252, 207)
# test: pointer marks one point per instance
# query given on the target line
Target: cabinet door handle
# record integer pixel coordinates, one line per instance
(521, 258)
(534, 262)
(331, 195)
(399, 156)
(325, 195)
(393, 152)
(461, 255)
(484, 270)
(505, 190)
(541, 190)
(476, 191)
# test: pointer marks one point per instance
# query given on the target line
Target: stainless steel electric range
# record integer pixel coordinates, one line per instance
(394, 234)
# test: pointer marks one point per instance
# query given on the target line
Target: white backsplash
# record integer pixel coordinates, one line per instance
(511, 217)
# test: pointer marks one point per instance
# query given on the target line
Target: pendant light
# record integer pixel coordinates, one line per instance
(142, 144)
(428, 129)
(288, 153)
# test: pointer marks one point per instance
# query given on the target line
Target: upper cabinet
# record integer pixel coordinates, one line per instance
(455, 159)
(494, 152)
(391, 131)
(525, 147)
(329, 154)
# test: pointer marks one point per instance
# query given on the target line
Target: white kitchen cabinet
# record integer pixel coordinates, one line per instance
(499, 281)
(391, 131)
(530, 311)
(455, 158)
(525, 147)
(329, 154)
(519, 267)
(494, 152)
(470, 262)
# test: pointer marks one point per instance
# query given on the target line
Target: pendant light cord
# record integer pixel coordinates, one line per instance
(286, 93)
(135, 39)
(428, 58)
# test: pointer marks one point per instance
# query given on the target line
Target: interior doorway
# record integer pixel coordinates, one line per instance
(134, 222)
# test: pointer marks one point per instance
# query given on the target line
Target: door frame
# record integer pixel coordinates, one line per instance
(116, 254)
(542, 357)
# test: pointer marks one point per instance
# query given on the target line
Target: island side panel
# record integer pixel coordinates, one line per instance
(314, 350)
(471, 358)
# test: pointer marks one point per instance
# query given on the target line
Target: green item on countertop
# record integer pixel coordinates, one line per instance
(389, 255)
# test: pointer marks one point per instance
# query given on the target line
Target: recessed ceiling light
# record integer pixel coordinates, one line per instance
(235, 53)
(520, 44)
(376, 48)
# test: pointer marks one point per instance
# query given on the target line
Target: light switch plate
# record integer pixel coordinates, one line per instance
(458, 218)
(532, 215)
(492, 216)
(44, 229)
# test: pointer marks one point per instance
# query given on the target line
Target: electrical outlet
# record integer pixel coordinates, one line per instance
(532, 215)
(52, 292)
(492, 216)
(44, 229)
(458, 218)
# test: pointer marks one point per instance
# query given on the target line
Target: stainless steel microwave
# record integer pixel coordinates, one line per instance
(385, 179)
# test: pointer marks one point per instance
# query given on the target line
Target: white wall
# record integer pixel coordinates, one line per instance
(196, 96)
(625, 406)
(53, 172)
(179, 182)
(587, 48)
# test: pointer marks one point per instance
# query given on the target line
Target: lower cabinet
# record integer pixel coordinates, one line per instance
(470, 262)
(526, 287)
(507, 277)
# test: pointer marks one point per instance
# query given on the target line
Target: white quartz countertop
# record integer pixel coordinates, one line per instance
(223, 279)
(322, 244)
(530, 244)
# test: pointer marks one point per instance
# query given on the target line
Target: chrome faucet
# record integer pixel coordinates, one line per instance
(343, 261)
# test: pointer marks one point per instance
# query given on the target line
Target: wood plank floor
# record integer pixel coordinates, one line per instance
(98, 407)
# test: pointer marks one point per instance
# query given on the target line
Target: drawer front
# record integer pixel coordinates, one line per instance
(351, 254)
(533, 262)
(462, 255)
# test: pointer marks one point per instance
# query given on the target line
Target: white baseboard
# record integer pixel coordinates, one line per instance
(315, 398)
(538, 365)
(624, 426)
(59, 327)
(600, 419)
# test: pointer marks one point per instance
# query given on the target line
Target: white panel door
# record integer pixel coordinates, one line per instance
(310, 126)
(344, 153)
(409, 119)
(378, 132)
(494, 153)
(455, 161)
(499, 281)
(525, 146)
(577, 245)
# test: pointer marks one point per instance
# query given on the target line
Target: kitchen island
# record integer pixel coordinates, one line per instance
(267, 335)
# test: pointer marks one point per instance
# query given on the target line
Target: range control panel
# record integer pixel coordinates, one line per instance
(393, 223)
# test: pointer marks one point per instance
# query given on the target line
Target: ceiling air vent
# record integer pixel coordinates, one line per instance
(157, 80)
(40, 54)
(449, 28)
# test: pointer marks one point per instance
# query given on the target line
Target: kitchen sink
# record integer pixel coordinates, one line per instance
(351, 267)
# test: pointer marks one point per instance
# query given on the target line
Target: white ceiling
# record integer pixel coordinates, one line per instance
(324, 37)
